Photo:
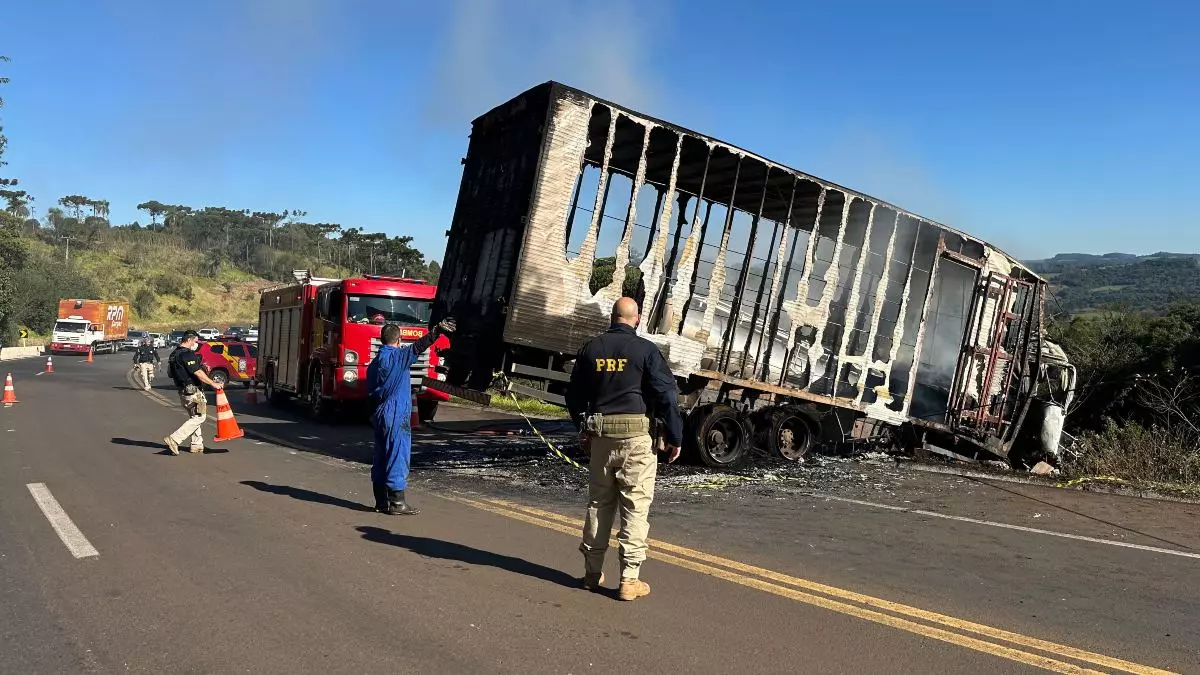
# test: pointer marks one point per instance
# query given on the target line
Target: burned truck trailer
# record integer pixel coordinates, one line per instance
(792, 311)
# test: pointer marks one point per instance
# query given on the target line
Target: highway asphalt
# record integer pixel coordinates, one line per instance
(263, 556)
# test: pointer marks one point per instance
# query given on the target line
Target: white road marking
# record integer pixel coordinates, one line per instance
(1007, 526)
(76, 543)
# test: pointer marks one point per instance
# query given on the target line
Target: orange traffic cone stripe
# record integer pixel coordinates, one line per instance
(227, 426)
(90, 355)
(10, 394)
(49, 364)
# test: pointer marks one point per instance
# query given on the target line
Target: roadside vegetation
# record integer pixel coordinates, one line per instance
(1137, 409)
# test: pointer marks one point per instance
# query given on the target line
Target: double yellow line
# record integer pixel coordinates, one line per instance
(995, 641)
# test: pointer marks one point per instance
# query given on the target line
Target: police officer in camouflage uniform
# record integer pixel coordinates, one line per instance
(619, 384)
(187, 371)
(145, 360)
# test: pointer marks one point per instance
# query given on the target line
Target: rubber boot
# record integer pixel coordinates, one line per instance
(381, 497)
(399, 507)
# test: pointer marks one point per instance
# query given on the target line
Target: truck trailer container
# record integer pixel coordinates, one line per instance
(90, 325)
(317, 337)
(791, 310)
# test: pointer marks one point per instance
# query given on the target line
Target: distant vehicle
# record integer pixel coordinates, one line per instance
(89, 325)
(235, 333)
(251, 336)
(158, 340)
(174, 338)
(207, 334)
(134, 339)
(229, 361)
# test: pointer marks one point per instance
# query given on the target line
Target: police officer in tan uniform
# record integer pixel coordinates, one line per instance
(187, 371)
(145, 360)
(619, 384)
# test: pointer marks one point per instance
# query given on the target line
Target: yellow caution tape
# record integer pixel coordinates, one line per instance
(553, 448)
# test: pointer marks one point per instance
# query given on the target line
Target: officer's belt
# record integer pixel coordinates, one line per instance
(616, 426)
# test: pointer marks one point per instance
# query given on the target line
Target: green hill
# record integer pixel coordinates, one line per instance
(1083, 282)
(198, 268)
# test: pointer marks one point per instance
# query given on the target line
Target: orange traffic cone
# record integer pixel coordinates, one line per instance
(414, 418)
(227, 427)
(49, 364)
(10, 394)
(90, 352)
(252, 394)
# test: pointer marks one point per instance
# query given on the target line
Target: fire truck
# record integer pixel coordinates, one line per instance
(317, 337)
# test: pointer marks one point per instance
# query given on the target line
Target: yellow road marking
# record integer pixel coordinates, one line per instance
(736, 573)
(916, 612)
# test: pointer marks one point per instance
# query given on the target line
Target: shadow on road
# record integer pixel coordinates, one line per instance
(447, 550)
(306, 495)
(141, 444)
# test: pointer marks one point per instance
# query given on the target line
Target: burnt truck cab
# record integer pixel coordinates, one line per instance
(792, 311)
(317, 338)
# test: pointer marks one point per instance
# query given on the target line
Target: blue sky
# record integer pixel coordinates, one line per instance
(1042, 127)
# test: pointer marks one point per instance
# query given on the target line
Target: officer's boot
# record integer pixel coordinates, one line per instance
(399, 507)
(381, 497)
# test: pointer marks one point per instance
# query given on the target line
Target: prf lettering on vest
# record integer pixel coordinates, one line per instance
(610, 365)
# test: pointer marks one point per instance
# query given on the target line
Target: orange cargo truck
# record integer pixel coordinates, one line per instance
(90, 325)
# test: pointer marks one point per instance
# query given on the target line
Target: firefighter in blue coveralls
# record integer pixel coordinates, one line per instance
(389, 387)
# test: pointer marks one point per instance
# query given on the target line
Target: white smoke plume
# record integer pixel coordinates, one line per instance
(495, 49)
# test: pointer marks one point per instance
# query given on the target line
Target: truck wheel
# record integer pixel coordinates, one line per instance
(789, 434)
(274, 396)
(720, 437)
(426, 409)
(318, 407)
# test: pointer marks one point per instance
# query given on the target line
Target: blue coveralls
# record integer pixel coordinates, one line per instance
(389, 383)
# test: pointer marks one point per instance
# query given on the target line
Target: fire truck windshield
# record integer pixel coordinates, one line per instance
(381, 309)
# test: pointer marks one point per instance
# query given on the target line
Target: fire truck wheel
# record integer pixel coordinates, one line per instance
(318, 407)
(274, 396)
(426, 410)
(720, 437)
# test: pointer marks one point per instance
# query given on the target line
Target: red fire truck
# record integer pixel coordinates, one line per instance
(317, 337)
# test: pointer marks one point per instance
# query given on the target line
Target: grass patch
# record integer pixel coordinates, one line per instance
(528, 405)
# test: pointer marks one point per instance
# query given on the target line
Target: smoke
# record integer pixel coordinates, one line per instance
(492, 50)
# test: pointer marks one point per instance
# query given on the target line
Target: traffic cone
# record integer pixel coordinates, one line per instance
(10, 394)
(49, 364)
(90, 352)
(227, 427)
(414, 418)
(252, 394)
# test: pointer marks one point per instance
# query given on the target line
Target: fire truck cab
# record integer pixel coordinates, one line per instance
(317, 337)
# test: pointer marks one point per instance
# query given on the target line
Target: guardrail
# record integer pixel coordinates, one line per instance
(14, 353)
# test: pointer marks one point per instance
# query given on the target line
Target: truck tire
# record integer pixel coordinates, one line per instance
(720, 437)
(318, 407)
(426, 409)
(789, 434)
(274, 396)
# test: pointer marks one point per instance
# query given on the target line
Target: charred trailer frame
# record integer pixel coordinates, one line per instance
(791, 310)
